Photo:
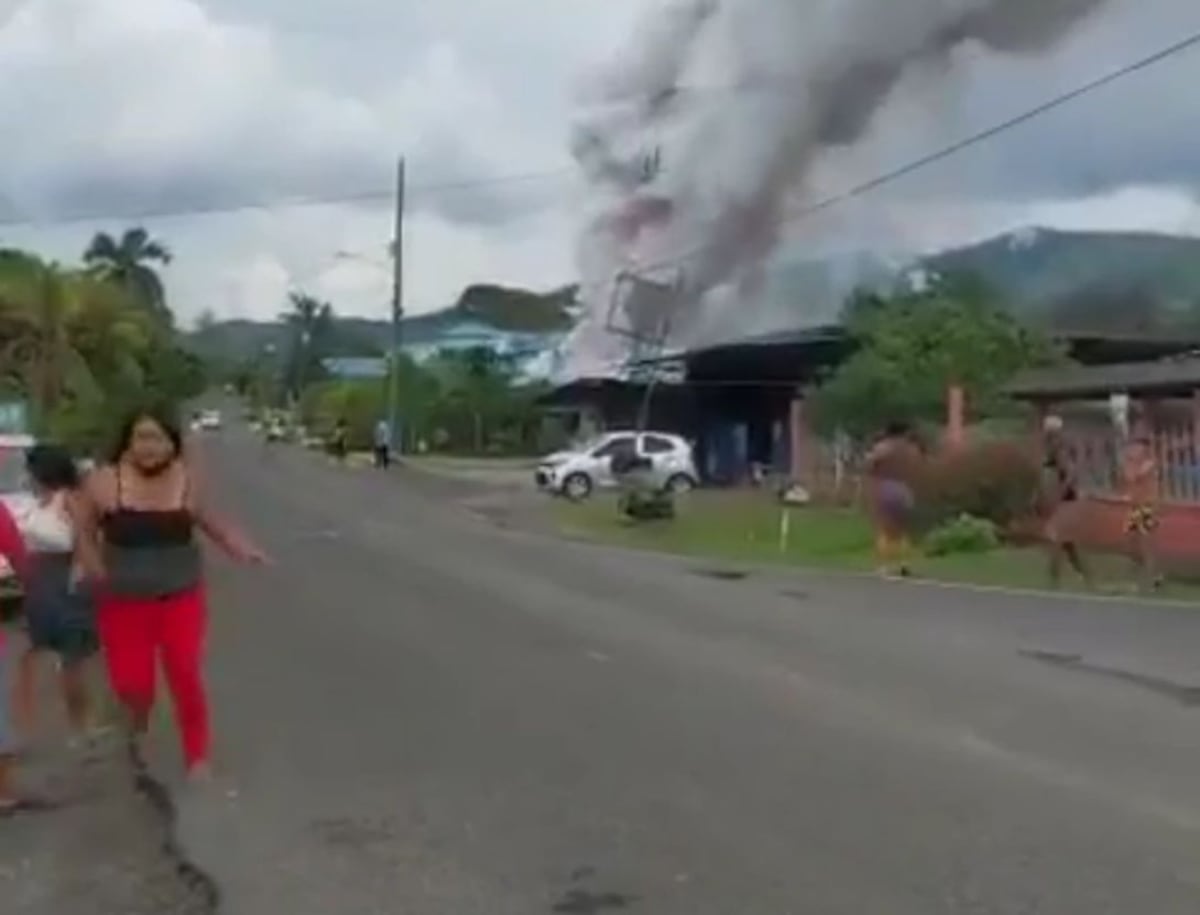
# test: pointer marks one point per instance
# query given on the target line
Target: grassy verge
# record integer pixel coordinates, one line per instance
(746, 527)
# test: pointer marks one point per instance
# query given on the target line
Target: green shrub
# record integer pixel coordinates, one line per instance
(964, 534)
(992, 480)
(647, 505)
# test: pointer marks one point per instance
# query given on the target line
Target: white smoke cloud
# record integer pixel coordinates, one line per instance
(696, 139)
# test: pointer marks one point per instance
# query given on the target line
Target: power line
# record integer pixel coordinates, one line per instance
(367, 195)
(288, 202)
(889, 177)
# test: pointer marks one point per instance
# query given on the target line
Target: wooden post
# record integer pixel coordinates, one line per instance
(956, 419)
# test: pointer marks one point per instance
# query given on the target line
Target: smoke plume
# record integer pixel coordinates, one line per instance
(692, 140)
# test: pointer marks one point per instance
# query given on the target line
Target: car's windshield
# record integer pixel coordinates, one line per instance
(12, 470)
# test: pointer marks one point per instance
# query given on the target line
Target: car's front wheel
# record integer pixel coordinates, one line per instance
(680, 483)
(577, 487)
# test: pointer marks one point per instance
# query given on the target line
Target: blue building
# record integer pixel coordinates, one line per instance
(426, 336)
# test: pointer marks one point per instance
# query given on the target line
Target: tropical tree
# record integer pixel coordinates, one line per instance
(914, 344)
(79, 346)
(37, 306)
(130, 261)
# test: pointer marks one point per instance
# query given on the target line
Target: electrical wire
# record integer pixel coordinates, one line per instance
(287, 202)
(891, 176)
(1186, 43)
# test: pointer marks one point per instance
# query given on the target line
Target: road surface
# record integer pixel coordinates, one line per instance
(419, 712)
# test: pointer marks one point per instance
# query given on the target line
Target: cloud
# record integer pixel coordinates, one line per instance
(146, 105)
(124, 106)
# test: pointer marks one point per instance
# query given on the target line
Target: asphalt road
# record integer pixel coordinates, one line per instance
(420, 713)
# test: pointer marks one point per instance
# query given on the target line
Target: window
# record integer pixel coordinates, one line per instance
(656, 444)
(622, 445)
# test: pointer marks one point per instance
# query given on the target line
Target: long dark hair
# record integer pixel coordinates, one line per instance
(52, 467)
(164, 416)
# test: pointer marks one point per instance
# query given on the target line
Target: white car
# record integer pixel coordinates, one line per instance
(576, 473)
(209, 420)
(15, 494)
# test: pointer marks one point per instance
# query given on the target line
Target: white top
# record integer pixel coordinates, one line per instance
(47, 527)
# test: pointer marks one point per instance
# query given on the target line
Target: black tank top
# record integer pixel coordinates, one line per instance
(150, 552)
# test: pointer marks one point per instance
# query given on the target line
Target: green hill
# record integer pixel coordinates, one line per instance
(1114, 281)
(1079, 281)
(503, 308)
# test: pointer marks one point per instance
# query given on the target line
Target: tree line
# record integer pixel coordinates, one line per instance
(80, 343)
(909, 345)
(464, 401)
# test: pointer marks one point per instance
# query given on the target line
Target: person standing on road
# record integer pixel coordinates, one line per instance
(138, 522)
(383, 444)
(1060, 504)
(341, 441)
(1139, 476)
(58, 611)
(890, 467)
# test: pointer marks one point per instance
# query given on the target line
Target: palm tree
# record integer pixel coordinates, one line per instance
(113, 335)
(128, 261)
(310, 322)
(37, 306)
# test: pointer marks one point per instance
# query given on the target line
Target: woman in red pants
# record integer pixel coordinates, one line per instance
(138, 522)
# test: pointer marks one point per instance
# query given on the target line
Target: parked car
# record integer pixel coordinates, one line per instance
(577, 472)
(17, 498)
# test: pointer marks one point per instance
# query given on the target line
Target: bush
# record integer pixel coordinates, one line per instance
(964, 534)
(647, 505)
(995, 481)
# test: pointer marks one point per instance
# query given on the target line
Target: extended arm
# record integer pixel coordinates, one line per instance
(227, 535)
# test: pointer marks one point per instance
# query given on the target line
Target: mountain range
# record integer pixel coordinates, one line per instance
(1080, 281)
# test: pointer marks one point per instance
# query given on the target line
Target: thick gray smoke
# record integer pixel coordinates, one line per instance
(695, 137)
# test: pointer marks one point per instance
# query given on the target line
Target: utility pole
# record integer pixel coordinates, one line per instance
(397, 313)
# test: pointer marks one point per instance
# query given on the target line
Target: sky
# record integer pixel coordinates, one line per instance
(112, 110)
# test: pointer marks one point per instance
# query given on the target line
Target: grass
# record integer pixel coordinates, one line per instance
(745, 527)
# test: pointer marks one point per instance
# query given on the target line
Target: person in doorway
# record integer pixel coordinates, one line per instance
(12, 548)
(138, 520)
(1060, 504)
(891, 466)
(1139, 476)
(383, 444)
(58, 611)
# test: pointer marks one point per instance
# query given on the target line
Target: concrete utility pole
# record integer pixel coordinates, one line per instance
(397, 313)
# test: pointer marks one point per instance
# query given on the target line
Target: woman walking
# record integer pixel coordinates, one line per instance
(138, 542)
(890, 467)
(58, 612)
